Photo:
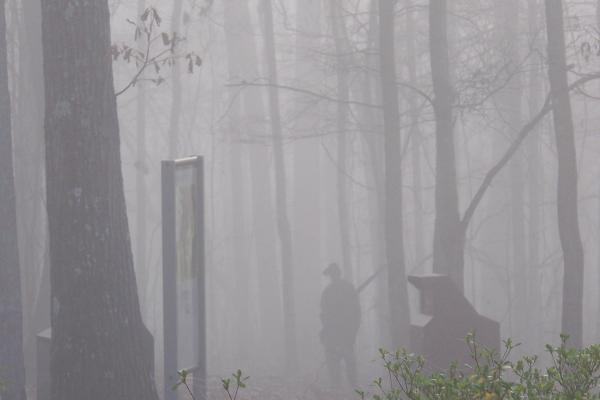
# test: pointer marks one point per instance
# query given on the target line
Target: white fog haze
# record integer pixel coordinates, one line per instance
(257, 199)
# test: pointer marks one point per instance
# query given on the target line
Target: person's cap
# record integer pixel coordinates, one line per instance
(332, 270)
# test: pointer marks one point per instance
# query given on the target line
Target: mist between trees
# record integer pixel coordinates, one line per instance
(393, 138)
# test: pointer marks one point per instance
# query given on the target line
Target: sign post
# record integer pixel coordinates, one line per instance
(184, 297)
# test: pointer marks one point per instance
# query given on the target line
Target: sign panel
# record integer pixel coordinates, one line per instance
(183, 273)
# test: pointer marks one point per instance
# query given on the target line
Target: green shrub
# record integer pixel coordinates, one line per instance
(231, 387)
(573, 375)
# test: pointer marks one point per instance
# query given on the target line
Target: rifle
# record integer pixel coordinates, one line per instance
(369, 280)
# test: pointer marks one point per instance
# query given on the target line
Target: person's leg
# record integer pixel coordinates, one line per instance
(350, 364)
(333, 360)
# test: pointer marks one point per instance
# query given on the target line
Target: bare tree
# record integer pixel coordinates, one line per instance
(342, 51)
(394, 240)
(567, 207)
(283, 224)
(448, 247)
(100, 348)
(176, 93)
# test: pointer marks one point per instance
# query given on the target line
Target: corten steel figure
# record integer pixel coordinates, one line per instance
(340, 316)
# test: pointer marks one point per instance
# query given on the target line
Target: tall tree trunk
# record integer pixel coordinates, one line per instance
(261, 191)
(394, 241)
(373, 147)
(448, 242)
(510, 100)
(310, 187)
(142, 270)
(535, 188)
(176, 94)
(283, 224)
(12, 372)
(342, 51)
(415, 132)
(100, 348)
(568, 215)
(234, 36)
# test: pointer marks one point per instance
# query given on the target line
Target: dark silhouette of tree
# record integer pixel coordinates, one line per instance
(448, 252)
(394, 241)
(100, 348)
(567, 208)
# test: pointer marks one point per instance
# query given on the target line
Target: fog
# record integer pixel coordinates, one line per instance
(286, 187)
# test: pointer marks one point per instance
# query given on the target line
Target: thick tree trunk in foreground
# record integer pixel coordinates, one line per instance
(448, 241)
(283, 223)
(12, 368)
(394, 241)
(100, 348)
(568, 216)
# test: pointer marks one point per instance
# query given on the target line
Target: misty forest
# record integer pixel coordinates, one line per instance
(299, 199)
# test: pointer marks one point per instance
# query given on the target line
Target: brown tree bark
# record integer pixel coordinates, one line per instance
(100, 348)
(568, 215)
(12, 366)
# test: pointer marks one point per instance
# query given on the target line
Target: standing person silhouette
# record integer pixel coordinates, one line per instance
(340, 318)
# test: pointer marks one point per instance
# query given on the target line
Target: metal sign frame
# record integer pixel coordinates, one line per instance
(170, 171)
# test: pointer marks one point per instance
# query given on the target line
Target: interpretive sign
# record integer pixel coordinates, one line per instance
(438, 333)
(183, 273)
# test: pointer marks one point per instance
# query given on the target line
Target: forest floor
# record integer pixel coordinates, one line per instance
(276, 388)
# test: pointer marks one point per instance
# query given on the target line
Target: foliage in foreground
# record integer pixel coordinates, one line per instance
(574, 375)
(231, 386)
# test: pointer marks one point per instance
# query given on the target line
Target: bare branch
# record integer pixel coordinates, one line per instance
(512, 149)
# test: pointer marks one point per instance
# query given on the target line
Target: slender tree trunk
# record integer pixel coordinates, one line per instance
(100, 348)
(141, 214)
(234, 36)
(415, 133)
(394, 241)
(12, 372)
(568, 215)
(373, 148)
(283, 224)
(176, 94)
(448, 242)
(310, 186)
(342, 50)
(510, 100)
(535, 188)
